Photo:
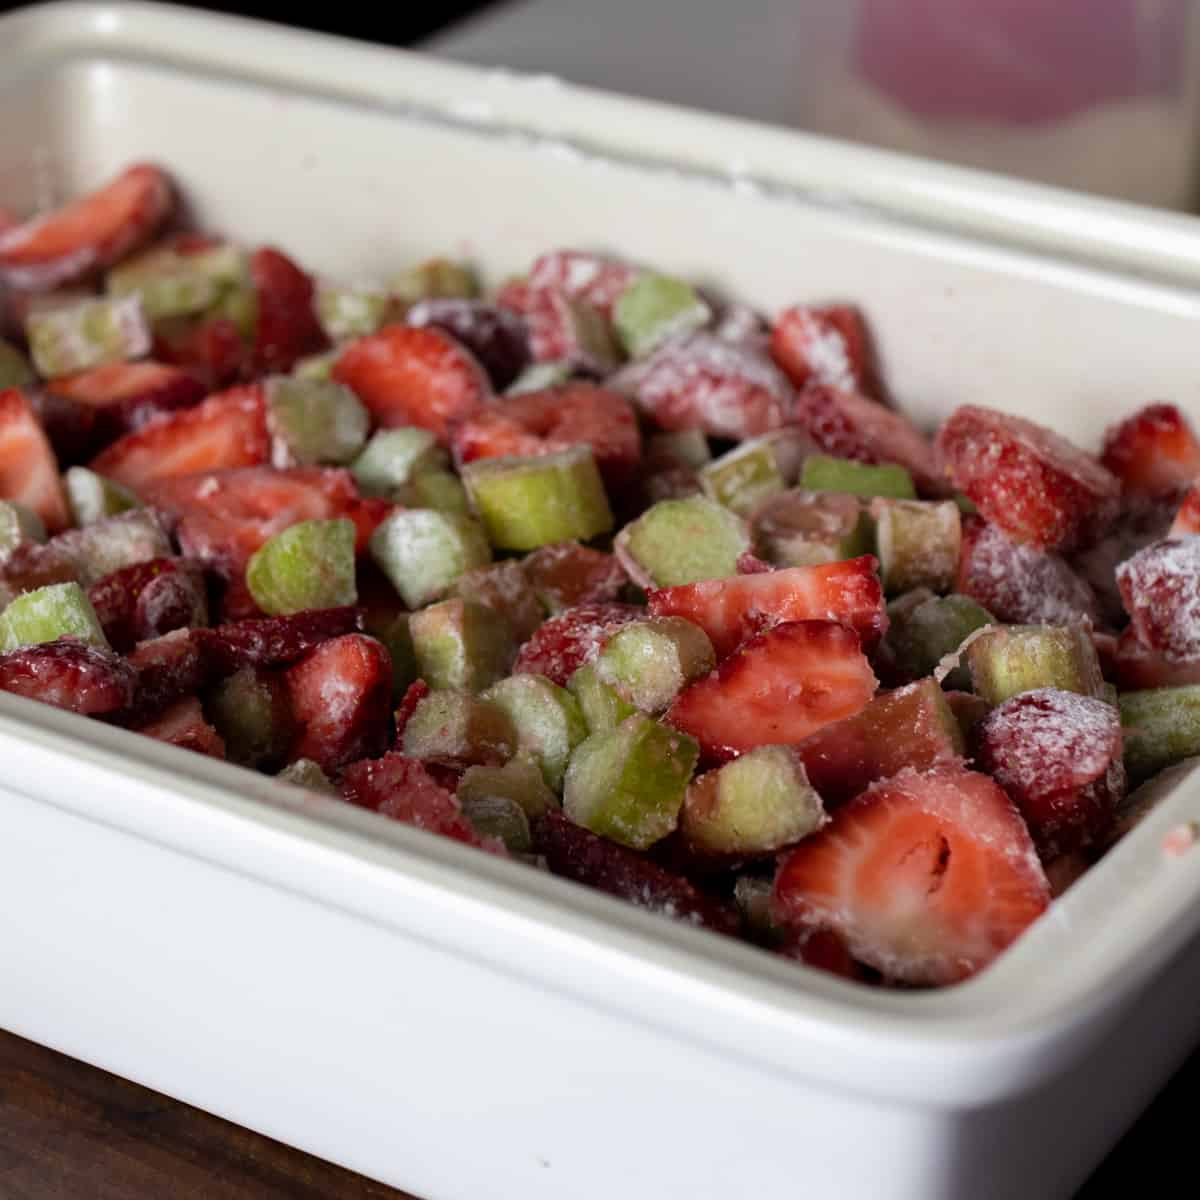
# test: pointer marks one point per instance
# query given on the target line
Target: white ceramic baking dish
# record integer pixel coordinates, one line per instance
(464, 1027)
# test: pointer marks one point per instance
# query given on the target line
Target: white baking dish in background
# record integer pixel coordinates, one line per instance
(466, 1028)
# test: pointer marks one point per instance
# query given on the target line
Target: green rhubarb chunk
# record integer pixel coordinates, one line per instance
(393, 456)
(540, 375)
(821, 473)
(684, 448)
(547, 719)
(308, 565)
(654, 308)
(756, 804)
(628, 784)
(48, 613)
(423, 551)
(349, 312)
(918, 543)
(528, 502)
(111, 543)
(1011, 659)
(602, 708)
(442, 490)
(239, 305)
(461, 644)
(316, 421)
(86, 335)
(251, 712)
(648, 663)
(434, 279)
(458, 729)
(799, 528)
(752, 896)
(744, 477)
(519, 780)
(505, 587)
(92, 497)
(170, 284)
(924, 628)
(317, 366)
(15, 371)
(791, 447)
(1161, 726)
(18, 524)
(683, 541)
(500, 817)
(307, 774)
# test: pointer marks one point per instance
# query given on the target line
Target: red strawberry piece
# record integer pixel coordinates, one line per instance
(1034, 484)
(1065, 870)
(592, 278)
(1161, 589)
(31, 565)
(272, 641)
(572, 639)
(826, 346)
(1187, 520)
(409, 376)
(227, 430)
(28, 467)
(413, 695)
(553, 419)
(560, 329)
(341, 696)
(848, 425)
(232, 600)
(87, 235)
(576, 853)
(183, 725)
(125, 396)
(727, 389)
(1019, 583)
(777, 689)
(210, 349)
(734, 609)
(168, 668)
(497, 336)
(1136, 667)
(1154, 452)
(70, 675)
(824, 950)
(146, 600)
(286, 326)
(748, 563)
(565, 574)
(1058, 756)
(926, 877)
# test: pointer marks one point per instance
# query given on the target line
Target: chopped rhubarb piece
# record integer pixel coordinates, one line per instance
(106, 546)
(409, 376)
(683, 448)
(423, 552)
(744, 477)
(648, 663)
(501, 818)
(927, 876)
(546, 718)
(19, 526)
(1161, 727)
(456, 729)
(563, 330)
(574, 853)
(94, 499)
(69, 674)
(305, 773)
(1161, 589)
(823, 473)
(1137, 667)
(461, 644)
(593, 278)
(80, 336)
(48, 613)
(679, 542)
(1032, 483)
(496, 336)
(434, 279)
(1008, 660)
(88, 234)
(272, 641)
(910, 727)
(211, 349)
(918, 543)
(183, 725)
(799, 528)
(1154, 452)
(732, 610)
(308, 565)
(28, 468)
(252, 712)
(519, 780)
(1058, 756)
(227, 430)
(350, 312)
(923, 629)
(563, 574)
(177, 279)
(143, 601)
(393, 457)
(654, 308)
(286, 326)
(505, 587)
(823, 346)
(571, 640)
(777, 689)
(314, 421)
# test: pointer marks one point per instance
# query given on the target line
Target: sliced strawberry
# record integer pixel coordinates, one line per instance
(567, 642)
(28, 468)
(272, 641)
(70, 675)
(183, 725)
(849, 425)
(734, 609)
(1161, 589)
(210, 349)
(1136, 667)
(227, 430)
(825, 346)
(551, 420)
(560, 329)
(927, 876)
(87, 235)
(777, 689)
(168, 668)
(1034, 484)
(565, 574)
(1154, 452)
(497, 336)
(1058, 756)
(148, 599)
(286, 326)
(413, 695)
(130, 394)
(579, 275)
(1187, 520)
(341, 697)
(578, 854)
(1019, 583)
(418, 377)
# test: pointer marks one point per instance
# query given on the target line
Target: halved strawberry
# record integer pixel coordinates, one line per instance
(183, 725)
(226, 430)
(409, 376)
(1161, 589)
(1136, 667)
(146, 600)
(581, 275)
(554, 419)
(497, 336)
(88, 234)
(1187, 520)
(1154, 452)
(28, 467)
(565, 574)
(824, 950)
(70, 675)
(826, 346)
(286, 326)
(272, 641)
(777, 689)
(734, 609)
(341, 697)
(927, 876)
(567, 642)
(167, 668)
(1030, 481)
(210, 349)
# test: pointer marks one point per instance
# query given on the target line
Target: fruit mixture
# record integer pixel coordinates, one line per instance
(598, 572)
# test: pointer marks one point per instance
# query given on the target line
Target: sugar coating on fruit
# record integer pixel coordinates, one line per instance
(918, 543)
(567, 642)
(315, 421)
(649, 662)
(88, 334)
(308, 565)
(423, 552)
(1021, 658)
(48, 613)
(682, 541)
(546, 718)
(801, 528)
(1161, 589)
